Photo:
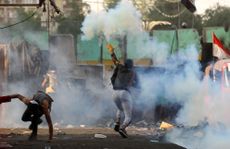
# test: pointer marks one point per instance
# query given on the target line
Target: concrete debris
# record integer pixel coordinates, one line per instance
(8, 136)
(154, 141)
(47, 147)
(142, 129)
(59, 132)
(26, 132)
(82, 126)
(56, 125)
(13, 134)
(159, 135)
(57, 129)
(100, 136)
(69, 126)
(5, 145)
(142, 123)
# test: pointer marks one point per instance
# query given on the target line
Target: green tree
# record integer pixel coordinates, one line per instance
(110, 3)
(168, 10)
(72, 23)
(216, 16)
(33, 22)
(175, 13)
(26, 21)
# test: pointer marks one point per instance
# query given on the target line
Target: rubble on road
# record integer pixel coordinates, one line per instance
(100, 136)
(5, 145)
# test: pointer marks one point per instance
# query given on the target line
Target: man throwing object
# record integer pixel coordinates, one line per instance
(125, 82)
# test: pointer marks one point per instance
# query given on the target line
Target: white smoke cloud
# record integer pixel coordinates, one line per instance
(216, 138)
(74, 102)
(211, 137)
(201, 100)
(180, 83)
(124, 19)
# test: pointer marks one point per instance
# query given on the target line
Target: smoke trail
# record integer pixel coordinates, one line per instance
(124, 19)
(114, 24)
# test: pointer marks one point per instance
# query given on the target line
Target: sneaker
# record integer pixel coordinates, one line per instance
(123, 133)
(117, 127)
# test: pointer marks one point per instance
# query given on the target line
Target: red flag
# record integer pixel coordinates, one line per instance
(219, 50)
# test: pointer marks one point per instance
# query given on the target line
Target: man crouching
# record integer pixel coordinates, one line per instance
(37, 106)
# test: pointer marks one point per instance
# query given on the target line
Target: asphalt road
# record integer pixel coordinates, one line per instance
(82, 138)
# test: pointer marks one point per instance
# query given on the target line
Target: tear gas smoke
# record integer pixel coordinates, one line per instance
(114, 24)
(73, 103)
(180, 82)
(150, 47)
(124, 19)
(212, 137)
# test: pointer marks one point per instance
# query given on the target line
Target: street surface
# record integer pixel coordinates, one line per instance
(82, 138)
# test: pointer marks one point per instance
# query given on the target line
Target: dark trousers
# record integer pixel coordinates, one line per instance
(32, 113)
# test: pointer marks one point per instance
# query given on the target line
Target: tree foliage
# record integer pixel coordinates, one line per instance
(216, 16)
(152, 10)
(33, 22)
(158, 10)
(110, 3)
(175, 13)
(71, 23)
(26, 21)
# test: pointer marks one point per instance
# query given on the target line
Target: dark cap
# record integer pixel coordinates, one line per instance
(129, 63)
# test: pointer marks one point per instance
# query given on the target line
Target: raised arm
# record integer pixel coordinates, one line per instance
(113, 55)
(44, 81)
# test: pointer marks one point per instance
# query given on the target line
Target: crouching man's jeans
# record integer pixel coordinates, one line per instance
(33, 114)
